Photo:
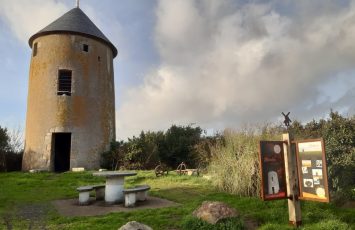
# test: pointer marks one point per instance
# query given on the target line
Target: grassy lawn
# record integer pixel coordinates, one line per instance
(25, 204)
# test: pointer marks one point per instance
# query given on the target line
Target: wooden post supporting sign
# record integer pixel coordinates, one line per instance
(294, 205)
(295, 171)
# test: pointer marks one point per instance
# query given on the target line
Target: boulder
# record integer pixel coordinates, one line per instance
(213, 211)
(134, 225)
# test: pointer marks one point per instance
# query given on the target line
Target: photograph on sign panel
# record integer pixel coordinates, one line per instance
(317, 173)
(308, 183)
(273, 170)
(316, 180)
(310, 164)
(306, 163)
(319, 163)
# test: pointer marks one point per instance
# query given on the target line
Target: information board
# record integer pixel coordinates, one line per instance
(272, 169)
(312, 170)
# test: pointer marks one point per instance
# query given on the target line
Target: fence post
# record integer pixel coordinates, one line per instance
(294, 204)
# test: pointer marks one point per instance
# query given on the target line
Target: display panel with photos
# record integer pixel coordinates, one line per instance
(312, 170)
(272, 169)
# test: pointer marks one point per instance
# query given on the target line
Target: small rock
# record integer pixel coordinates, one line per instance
(213, 211)
(134, 225)
(78, 169)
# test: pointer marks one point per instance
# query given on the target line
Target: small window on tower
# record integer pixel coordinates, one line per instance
(34, 50)
(64, 82)
(85, 47)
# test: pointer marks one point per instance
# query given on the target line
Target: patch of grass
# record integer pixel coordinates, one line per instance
(331, 224)
(24, 195)
(227, 224)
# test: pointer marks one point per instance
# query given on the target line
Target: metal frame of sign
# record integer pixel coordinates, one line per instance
(262, 165)
(304, 170)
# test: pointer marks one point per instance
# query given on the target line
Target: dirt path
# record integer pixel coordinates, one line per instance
(34, 214)
(71, 208)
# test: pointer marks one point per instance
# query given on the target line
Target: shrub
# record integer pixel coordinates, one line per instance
(203, 151)
(338, 133)
(137, 153)
(13, 161)
(234, 166)
(113, 158)
(10, 150)
(234, 163)
(4, 147)
(152, 148)
(178, 145)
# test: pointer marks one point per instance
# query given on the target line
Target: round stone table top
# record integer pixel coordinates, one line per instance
(114, 173)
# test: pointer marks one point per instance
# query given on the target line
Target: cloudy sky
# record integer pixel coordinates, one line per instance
(213, 63)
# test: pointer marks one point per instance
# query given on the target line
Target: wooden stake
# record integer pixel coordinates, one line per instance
(294, 204)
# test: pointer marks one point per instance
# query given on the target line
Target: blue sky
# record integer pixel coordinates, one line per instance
(217, 64)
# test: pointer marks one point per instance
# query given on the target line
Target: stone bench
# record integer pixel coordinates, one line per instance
(189, 172)
(84, 193)
(137, 193)
(99, 191)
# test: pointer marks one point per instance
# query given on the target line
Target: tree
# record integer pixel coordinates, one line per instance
(178, 145)
(4, 148)
(113, 158)
(338, 133)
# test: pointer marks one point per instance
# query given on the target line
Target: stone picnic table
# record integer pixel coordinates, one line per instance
(114, 185)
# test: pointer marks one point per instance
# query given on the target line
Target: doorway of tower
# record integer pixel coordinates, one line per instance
(61, 145)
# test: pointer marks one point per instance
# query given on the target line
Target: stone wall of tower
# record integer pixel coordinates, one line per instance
(89, 113)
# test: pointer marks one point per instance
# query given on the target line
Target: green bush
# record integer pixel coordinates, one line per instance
(192, 223)
(149, 149)
(136, 153)
(338, 133)
(113, 158)
(178, 145)
(4, 148)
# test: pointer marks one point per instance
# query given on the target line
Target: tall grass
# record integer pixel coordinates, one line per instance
(234, 165)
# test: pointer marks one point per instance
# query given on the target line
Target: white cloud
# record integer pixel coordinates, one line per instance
(224, 64)
(25, 18)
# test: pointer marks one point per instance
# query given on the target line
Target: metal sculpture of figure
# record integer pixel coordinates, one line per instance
(287, 120)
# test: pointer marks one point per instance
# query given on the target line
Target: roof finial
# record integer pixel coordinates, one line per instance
(77, 3)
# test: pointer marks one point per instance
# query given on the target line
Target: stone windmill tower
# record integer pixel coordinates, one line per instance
(71, 105)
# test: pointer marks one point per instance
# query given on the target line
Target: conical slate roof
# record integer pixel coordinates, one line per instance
(74, 21)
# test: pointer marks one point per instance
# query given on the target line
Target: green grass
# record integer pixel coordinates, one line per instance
(23, 195)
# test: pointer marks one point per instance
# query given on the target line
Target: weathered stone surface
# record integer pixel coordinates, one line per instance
(88, 113)
(38, 170)
(134, 225)
(213, 211)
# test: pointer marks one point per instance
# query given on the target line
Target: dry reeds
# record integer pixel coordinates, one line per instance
(234, 164)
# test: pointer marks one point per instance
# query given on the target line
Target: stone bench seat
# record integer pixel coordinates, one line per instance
(84, 193)
(189, 172)
(133, 194)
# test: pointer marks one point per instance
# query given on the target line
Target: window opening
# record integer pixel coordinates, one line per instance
(64, 82)
(85, 47)
(34, 49)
